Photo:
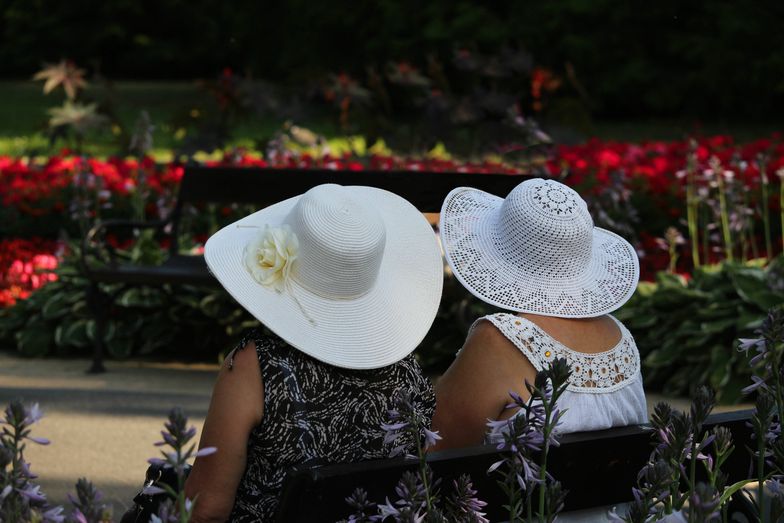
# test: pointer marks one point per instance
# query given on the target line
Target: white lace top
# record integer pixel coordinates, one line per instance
(605, 388)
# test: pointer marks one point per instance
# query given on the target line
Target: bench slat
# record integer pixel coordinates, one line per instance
(263, 186)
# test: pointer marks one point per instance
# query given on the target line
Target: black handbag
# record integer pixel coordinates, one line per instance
(145, 505)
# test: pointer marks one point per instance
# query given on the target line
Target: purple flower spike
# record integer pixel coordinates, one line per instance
(25, 469)
(153, 490)
(34, 414)
(758, 383)
(747, 343)
(40, 441)
(388, 509)
(33, 493)
(431, 437)
(54, 515)
(206, 451)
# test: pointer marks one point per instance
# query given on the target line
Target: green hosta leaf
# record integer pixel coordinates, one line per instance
(68, 269)
(72, 335)
(109, 330)
(156, 334)
(667, 280)
(57, 306)
(747, 320)
(143, 297)
(680, 381)
(717, 326)
(80, 309)
(120, 347)
(668, 297)
(35, 339)
(147, 250)
(717, 309)
(11, 320)
(687, 327)
(752, 287)
(732, 390)
(645, 289)
(188, 300)
(699, 341)
(720, 366)
(211, 306)
(670, 351)
(641, 321)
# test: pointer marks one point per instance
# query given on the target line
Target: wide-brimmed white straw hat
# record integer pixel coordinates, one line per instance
(351, 276)
(536, 251)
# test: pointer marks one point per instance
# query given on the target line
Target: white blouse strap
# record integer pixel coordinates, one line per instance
(508, 325)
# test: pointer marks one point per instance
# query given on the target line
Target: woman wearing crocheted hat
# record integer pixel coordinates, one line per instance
(348, 281)
(538, 255)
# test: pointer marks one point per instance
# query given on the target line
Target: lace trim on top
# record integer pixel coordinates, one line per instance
(595, 373)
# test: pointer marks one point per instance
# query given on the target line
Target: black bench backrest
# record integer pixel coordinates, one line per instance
(597, 468)
(263, 186)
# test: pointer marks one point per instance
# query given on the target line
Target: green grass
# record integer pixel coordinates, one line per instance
(178, 108)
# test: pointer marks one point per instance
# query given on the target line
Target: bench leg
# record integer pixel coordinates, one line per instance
(99, 303)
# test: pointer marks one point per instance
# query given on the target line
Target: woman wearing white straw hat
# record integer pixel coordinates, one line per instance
(537, 254)
(349, 281)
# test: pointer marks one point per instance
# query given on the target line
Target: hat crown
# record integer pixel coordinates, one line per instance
(341, 242)
(546, 229)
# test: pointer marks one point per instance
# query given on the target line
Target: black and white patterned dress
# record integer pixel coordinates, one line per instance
(315, 413)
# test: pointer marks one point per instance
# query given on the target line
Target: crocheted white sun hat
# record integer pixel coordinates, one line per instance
(351, 276)
(536, 251)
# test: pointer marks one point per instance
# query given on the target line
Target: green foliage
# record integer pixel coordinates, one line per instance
(685, 330)
(183, 322)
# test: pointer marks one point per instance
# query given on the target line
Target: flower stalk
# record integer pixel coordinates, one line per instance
(762, 162)
(523, 436)
(692, 204)
(177, 436)
(718, 172)
(780, 174)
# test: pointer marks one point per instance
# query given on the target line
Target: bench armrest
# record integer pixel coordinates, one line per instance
(97, 233)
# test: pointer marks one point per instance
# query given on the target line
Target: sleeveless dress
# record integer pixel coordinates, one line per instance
(605, 389)
(316, 414)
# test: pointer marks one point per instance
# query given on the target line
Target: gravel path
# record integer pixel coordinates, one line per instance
(102, 426)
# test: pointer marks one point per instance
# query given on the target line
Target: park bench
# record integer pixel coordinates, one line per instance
(256, 186)
(598, 469)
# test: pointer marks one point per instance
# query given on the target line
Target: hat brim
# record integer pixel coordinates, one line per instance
(470, 242)
(374, 330)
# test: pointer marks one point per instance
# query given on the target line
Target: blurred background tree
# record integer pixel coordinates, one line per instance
(713, 60)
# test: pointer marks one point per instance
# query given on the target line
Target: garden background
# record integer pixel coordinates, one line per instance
(666, 119)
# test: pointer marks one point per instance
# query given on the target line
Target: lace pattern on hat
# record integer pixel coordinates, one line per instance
(569, 274)
(597, 373)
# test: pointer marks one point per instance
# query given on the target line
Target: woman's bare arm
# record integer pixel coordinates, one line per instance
(476, 387)
(236, 407)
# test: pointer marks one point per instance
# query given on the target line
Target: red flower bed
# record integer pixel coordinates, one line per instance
(25, 265)
(659, 163)
(653, 172)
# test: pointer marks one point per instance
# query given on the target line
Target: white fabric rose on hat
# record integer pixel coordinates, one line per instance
(269, 258)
